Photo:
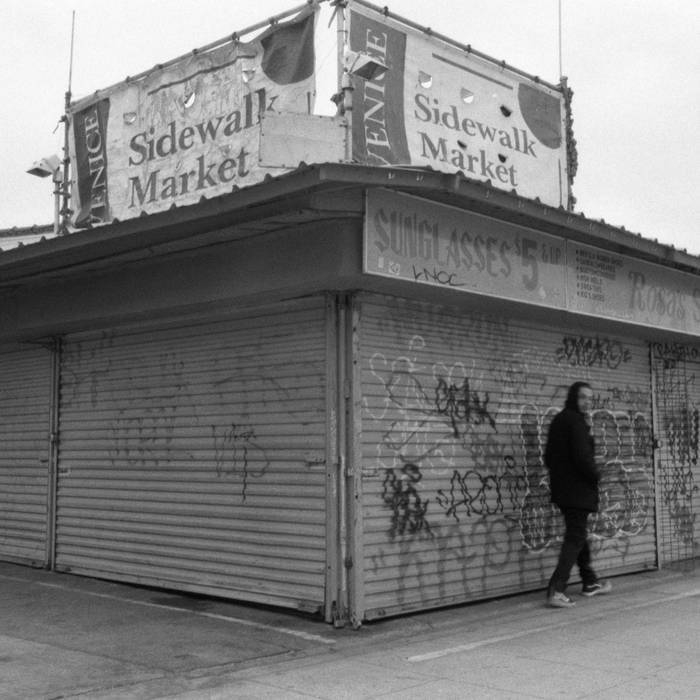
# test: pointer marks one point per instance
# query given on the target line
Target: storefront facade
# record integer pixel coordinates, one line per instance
(195, 455)
(455, 415)
(229, 399)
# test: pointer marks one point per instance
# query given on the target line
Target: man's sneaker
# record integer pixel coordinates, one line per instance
(560, 600)
(598, 588)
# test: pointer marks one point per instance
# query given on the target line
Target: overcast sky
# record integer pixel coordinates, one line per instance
(633, 66)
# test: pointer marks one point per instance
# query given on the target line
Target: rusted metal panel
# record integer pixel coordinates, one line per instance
(195, 456)
(25, 398)
(676, 371)
(456, 410)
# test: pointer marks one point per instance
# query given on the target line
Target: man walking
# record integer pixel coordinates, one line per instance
(573, 481)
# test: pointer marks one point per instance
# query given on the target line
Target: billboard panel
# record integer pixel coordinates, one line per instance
(188, 129)
(604, 284)
(428, 243)
(442, 107)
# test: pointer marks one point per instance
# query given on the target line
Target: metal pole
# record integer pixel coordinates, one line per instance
(65, 209)
(340, 6)
(213, 45)
(56, 178)
(561, 69)
(344, 86)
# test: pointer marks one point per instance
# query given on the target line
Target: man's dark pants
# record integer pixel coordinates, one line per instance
(574, 550)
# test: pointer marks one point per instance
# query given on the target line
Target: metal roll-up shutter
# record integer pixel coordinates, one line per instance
(25, 404)
(694, 423)
(195, 457)
(676, 369)
(456, 410)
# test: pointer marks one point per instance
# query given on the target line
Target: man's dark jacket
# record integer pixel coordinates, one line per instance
(573, 475)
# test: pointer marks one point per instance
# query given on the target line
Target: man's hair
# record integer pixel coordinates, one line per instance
(572, 396)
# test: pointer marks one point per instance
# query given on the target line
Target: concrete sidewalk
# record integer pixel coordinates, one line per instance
(66, 636)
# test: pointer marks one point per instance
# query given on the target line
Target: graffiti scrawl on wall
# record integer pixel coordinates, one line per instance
(623, 453)
(401, 496)
(153, 424)
(455, 435)
(235, 447)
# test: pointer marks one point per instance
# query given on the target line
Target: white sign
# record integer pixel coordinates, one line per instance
(414, 239)
(189, 130)
(602, 283)
(442, 107)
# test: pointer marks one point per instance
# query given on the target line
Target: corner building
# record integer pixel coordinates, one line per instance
(331, 392)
